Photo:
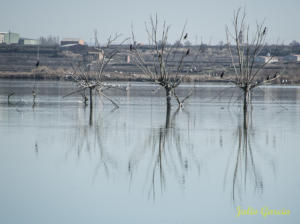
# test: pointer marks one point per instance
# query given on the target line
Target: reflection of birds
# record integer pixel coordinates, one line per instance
(188, 52)
(128, 87)
(185, 36)
(265, 30)
(85, 99)
(36, 147)
(222, 74)
(186, 164)
(37, 63)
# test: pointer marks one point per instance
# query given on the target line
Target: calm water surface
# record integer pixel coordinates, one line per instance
(144, 164)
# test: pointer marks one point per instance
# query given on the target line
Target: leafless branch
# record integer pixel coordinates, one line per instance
(158, 64)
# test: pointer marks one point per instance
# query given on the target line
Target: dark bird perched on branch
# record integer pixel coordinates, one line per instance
(265, 30)
(275, 76)
(185, 36)
(222, 74)
(37, 63)
(268, 77)
(188, 52)
(130, 47)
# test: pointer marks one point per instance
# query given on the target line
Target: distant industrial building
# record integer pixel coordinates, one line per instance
(266, 59)
(9, 38)
(71, 41)
(292, 58)
(94, 56)
(27, 41)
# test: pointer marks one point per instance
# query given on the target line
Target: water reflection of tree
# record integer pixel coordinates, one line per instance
(91, 139)
(169, 154)
(246, 172)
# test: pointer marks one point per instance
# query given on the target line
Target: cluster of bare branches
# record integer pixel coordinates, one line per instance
(89, 76)
(247, 71)
(164, 64)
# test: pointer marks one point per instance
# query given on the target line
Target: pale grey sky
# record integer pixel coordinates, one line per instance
(206, 18)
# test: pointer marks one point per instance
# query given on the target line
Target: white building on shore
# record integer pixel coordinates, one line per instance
(292, 58)
(266, 59)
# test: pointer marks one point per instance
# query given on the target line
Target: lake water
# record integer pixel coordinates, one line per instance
(138, 164)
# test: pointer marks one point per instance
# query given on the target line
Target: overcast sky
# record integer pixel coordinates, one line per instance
(205, 18)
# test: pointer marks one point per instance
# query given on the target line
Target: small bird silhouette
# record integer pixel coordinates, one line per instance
(265, 30)
(275, 76)
(188, 52)
(37, 63)
(130, 47)
(268, 77)
(222, 74)
(185, 36)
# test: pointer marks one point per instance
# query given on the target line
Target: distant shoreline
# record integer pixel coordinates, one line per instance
(141, 79)
(55, 63)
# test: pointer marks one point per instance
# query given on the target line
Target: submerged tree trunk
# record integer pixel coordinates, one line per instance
(91, 98)
(246, 99)
(168, 95)
(33, 98)
(168, 112)
(91, 105)
(245, 128)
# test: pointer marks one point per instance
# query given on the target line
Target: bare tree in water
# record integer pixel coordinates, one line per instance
(246, 49)
(89, 76)
(249, 74)
(164, 62)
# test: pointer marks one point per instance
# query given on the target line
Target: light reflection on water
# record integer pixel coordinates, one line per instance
(145, 163)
